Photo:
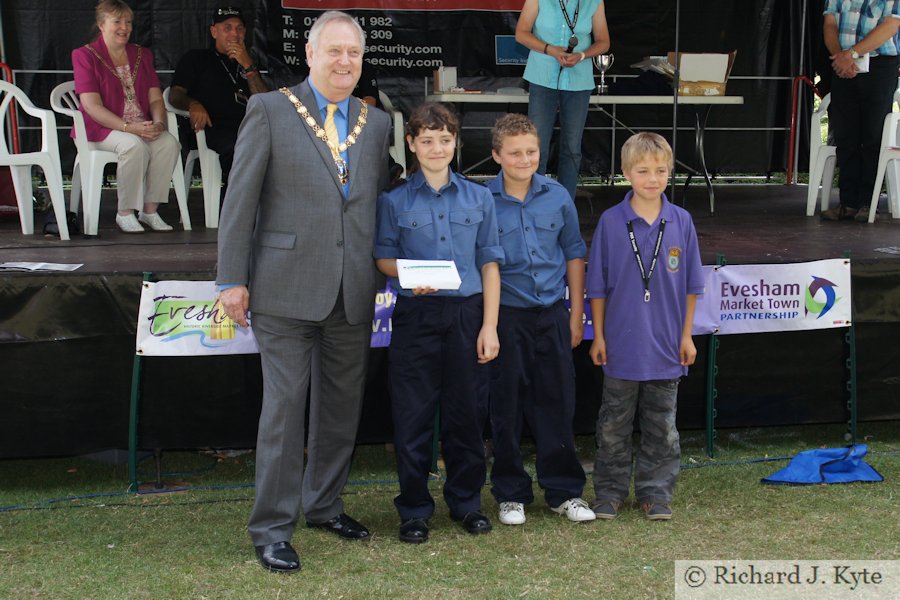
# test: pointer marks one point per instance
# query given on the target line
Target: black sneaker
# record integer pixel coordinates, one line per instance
(607, 510)
(657, 512)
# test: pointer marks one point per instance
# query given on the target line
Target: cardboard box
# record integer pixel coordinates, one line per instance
(703, 74)
(444, 79)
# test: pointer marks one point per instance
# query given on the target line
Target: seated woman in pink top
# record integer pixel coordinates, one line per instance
(124, 113)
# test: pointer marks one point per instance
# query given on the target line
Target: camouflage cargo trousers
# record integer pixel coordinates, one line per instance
(659, 454)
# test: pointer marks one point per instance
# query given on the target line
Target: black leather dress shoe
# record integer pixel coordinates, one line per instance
(343, 526)
(414, 531)
(476, 522)
(280, 557)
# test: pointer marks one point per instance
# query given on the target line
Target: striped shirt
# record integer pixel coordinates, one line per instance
(857, 18)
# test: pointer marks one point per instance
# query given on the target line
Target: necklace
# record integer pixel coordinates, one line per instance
(127, 84)
(240, 96)
(333, 145)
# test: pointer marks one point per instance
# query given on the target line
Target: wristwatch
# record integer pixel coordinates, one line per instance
(853, 53)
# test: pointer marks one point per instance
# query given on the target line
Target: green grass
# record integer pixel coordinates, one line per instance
(193, 544)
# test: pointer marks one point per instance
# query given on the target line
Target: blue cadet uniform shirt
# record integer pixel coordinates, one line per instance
(455, 223)
(539, 236)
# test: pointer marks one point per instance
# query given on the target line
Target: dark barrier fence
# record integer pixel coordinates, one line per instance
(67, 346)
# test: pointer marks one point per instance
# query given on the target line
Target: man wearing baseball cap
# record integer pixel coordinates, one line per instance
(214, 84)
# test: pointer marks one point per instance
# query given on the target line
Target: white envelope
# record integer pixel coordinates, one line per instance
(437, 274)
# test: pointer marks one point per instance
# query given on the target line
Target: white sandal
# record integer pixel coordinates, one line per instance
(129, 224)
(154, 222)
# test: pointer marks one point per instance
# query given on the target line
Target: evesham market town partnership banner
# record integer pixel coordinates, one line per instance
(783, 297)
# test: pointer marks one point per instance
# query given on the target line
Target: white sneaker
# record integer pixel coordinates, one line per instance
(576, 510)
(512, 513)
(129, 224)
(154, 222)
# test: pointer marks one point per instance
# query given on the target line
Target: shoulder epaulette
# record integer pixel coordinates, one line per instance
(481, 183)
(395, 184)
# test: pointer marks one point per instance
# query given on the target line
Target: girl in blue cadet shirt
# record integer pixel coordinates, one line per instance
(441, 340)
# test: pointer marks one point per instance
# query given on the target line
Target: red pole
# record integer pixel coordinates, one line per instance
(13, 119)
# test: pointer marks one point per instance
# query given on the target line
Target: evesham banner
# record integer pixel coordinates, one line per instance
(783, 297)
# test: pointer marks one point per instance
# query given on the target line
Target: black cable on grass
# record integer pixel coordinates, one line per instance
(47, 504)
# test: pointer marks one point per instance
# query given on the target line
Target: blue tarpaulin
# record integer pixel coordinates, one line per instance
(826, 465)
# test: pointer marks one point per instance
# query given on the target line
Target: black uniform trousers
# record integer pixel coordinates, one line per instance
(433, 365)
(533, 381)
(857, 111)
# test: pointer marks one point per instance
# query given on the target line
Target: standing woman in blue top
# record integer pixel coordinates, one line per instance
(562, 36)
(441, 340)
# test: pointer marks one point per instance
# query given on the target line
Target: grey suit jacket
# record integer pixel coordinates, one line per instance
(286, 230)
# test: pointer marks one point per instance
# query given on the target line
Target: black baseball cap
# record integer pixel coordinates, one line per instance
(223, 13)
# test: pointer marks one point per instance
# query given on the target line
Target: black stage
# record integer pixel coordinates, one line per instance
(67, 339)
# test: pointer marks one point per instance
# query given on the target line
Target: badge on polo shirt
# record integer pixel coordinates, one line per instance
(674, 259)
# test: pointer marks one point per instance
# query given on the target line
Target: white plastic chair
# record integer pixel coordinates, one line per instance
(87, 174)
(821, 160)
(86, 181)
(181, 187)
(888, 165)
(20, 164)
(398, 147)
(210, 168)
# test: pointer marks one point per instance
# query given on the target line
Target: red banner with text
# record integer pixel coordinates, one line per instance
(323, 5)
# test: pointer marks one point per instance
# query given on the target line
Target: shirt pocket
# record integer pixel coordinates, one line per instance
(416, 234)
(547, 228)
(464, 226)
(512, 243)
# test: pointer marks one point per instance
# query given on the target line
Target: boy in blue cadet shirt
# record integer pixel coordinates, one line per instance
(533, 379)
(441, 340)
(643, 278)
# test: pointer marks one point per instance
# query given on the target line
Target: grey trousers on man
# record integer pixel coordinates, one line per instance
(659, 455)
(329, 358)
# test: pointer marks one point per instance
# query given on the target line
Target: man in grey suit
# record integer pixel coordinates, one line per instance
(295, 249)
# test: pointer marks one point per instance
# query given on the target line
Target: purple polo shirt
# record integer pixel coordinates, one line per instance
(92, 76)
(643, 339)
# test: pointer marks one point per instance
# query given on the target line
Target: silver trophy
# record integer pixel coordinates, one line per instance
(603, 63)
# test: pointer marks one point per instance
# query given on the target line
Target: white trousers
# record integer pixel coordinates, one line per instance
(144, 168)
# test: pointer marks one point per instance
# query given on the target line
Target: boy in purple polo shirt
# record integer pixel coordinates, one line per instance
(643, 278)
(533, 378)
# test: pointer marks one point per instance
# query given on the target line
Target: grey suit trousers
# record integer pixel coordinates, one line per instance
(327, 358)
